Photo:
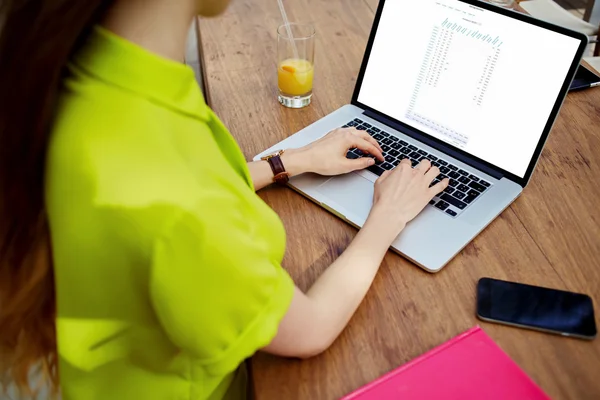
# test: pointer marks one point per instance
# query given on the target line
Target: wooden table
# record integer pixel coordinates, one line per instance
(550, 236)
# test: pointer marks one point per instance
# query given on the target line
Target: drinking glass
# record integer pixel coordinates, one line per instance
(295, 64)
(502, 3)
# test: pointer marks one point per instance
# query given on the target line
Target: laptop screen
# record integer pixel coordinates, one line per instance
(475, 79)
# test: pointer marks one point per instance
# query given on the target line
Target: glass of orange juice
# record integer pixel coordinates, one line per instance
(295, 64)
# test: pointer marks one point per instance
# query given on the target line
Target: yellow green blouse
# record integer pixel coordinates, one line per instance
(167, 263)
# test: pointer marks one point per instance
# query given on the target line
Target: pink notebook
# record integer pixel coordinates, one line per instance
(470, 366)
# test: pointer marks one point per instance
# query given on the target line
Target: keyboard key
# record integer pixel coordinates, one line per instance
(449, 190)
(358, 152)
(387, 166)
(469, 199)
(371, 132)
(414, 163)
(376, 129)
(389, 158)
(453, 182)
(477, 186)
(435, 182)
(473, 178)
(484, 183)
(414, 148)
(353, 123)
(361, 128)
(385, 148)
(422, 152)
(463, 172)
(444, 170)
(414, 155)
(385, 134)
(442, 205)
(432, 157)
(454, 201)
(460, 195)
(403, 143)
(453, 167)
(367, 125)
(463, 188)
(449, 211)
(442, 162)
(377, 137)
(351, 156)
(393, 152)
(396, 162)
(387, 141)
(432, 202)
(434, 163)
(405, 150)
(345, 126)
(358, 121)
(376, 170)
(396, 146)
(443, 176)
(453, 174)
(473, 193)
(464, 179)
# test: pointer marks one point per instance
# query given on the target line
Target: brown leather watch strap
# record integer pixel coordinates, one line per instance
(280, 176)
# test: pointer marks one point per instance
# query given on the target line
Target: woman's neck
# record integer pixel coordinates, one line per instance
(160, 26)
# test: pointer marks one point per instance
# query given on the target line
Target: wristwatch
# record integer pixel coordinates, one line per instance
(280, 176)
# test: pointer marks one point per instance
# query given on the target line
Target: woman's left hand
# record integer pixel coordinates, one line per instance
(327, 156)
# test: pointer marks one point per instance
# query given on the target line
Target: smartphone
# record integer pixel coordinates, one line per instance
(584, 78)
(534, 307)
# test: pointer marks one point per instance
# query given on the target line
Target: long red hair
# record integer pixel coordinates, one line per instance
(37, 38)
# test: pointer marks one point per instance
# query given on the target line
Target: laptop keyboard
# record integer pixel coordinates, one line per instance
(465, 186)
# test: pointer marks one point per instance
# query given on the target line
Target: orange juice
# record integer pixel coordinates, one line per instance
(295, 77)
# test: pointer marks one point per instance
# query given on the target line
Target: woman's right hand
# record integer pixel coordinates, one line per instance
(401, 194)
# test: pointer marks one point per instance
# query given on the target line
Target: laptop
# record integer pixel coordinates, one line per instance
(472, 87)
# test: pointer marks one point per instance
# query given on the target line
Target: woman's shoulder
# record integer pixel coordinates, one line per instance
(117, 144)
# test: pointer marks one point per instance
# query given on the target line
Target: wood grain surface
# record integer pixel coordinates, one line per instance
(550, 236)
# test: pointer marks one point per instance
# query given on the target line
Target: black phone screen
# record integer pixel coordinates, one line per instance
(536, 307)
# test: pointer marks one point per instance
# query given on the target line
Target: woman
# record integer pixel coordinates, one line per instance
(136, 259)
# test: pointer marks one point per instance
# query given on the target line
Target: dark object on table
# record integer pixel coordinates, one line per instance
(534, 307)
(584, 78)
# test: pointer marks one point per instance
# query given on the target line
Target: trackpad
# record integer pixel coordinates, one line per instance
(351, 191)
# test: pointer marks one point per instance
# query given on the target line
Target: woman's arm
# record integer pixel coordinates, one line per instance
(293, 160)
(315, 319)
(326, 156)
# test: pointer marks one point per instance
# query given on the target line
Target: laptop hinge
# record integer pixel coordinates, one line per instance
(429, 142)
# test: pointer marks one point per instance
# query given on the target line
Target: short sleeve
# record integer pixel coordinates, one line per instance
(216, 287)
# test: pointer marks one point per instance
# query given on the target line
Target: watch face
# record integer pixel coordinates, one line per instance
(275, 154)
